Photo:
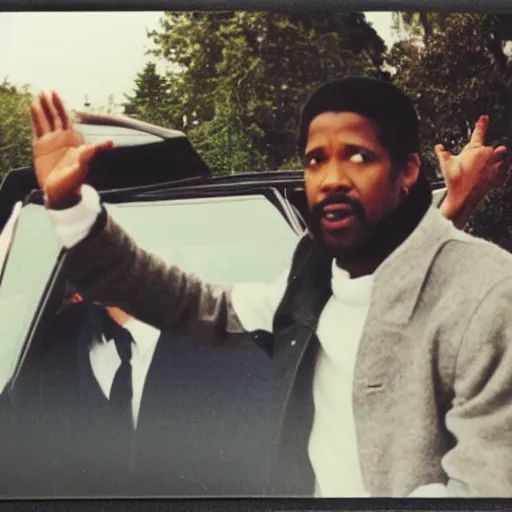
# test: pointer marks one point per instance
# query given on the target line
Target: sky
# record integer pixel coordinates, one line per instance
(93, 54)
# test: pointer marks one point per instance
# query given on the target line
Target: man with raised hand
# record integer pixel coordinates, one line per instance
(391, 331)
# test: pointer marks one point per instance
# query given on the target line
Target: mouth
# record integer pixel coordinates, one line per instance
(337, 217)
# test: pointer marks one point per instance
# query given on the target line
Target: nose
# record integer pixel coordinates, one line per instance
(335, 178)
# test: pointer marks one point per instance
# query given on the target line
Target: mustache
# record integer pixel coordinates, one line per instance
(355, 205)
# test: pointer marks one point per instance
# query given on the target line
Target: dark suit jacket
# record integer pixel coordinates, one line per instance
(205, 423)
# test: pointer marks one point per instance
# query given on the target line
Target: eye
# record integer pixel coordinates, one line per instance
(361, 156)
(311, 161)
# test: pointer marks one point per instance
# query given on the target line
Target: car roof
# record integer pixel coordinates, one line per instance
(122, 130)
(120, 136)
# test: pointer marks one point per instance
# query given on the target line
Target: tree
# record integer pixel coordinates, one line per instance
(253, 71)
(15, 128)
(419, 25)
(151, 101)
(454, 78)
(423, 25)
(224, 142)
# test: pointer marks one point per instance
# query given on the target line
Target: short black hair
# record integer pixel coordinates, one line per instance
(389, 109)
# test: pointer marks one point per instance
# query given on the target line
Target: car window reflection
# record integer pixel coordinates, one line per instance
(213, 402)
(27, 271)
(233, 239)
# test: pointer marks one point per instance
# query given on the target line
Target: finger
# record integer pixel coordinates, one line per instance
(442, 154)
(480, 131)
(501, 151)
(84, 159)
(497, 155)
(498, 174)
(37, 130)
(41, 124)
(105, 145)
(51, 112)
(61, 111)
(74, 175)
(89, 151)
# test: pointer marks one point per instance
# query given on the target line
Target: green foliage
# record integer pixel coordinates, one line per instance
(240, 78)
(151, 101)
(225, 144)
(15, 130)
(419, 25)
(235, 83)
(460, 73)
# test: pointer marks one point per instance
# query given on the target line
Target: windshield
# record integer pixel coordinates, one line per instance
(224, 240)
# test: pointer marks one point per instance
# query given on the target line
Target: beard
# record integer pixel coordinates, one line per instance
(352, 248)
(376, 241)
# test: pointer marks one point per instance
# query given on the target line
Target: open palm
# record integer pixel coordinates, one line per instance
(61, 159)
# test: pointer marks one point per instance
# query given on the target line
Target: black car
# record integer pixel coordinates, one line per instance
(240, 228)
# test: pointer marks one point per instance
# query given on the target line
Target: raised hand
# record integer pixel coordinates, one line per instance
(471, 174)
(61, 159)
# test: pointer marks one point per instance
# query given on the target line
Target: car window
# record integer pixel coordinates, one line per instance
(29, 264)
(223, 240)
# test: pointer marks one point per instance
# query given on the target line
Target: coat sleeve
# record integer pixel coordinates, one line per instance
(108, 267)
(480, 419)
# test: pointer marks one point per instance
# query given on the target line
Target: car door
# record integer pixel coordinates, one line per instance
(224, 404)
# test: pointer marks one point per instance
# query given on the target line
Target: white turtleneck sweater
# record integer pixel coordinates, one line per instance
(332, 443)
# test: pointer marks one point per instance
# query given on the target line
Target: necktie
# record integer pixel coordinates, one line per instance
(121, 391)
(120, 429)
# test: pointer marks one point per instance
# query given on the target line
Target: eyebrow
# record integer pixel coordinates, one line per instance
(313, 151)
(320, 149)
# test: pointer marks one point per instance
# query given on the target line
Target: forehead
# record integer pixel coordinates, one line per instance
(351, 128)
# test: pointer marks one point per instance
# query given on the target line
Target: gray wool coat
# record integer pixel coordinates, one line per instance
(432, 394)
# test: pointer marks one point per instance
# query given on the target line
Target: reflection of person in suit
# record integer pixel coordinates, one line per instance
(86, 403)
(92, 375)
(113, 414)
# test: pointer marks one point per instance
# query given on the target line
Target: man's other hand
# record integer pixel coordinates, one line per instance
(471, 174)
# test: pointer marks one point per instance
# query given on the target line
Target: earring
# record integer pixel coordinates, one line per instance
(405, 191)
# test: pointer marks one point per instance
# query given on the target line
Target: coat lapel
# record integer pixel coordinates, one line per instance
(381, 369)
(398, 285)
(155, 385)
(399, 280)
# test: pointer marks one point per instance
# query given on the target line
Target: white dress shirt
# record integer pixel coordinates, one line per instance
(105, 361)
(333, 444)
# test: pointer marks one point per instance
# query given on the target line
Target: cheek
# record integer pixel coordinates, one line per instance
(379, 197)
(311, 188)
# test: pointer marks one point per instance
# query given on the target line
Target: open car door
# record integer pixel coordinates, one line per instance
(143, 155)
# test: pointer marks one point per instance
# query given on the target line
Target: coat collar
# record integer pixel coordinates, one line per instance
(399, 280)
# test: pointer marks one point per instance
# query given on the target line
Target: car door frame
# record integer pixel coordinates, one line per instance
(51, 299)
